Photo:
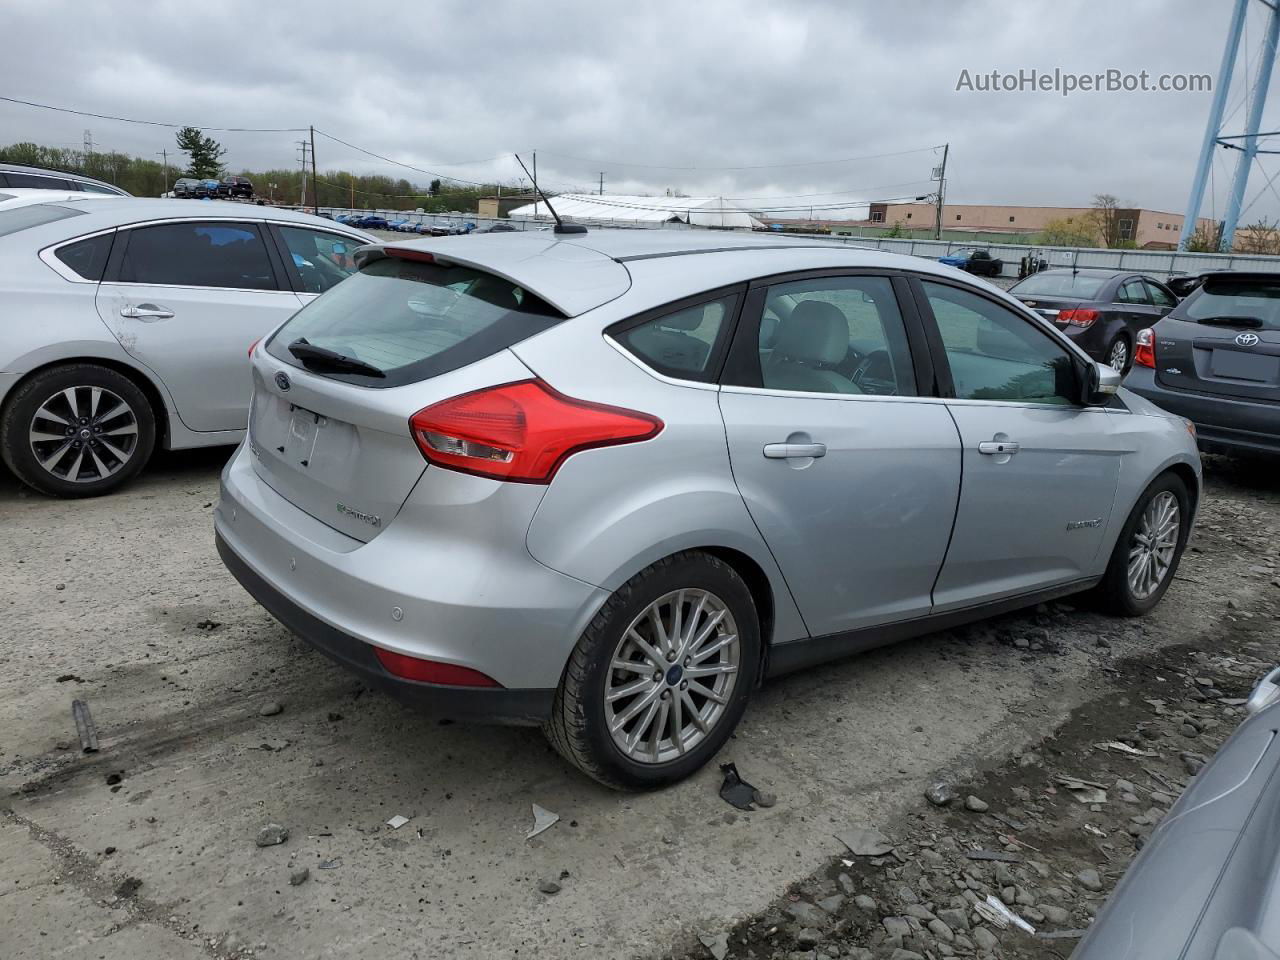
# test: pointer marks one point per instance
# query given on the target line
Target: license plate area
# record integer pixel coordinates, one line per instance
(300, 439)
(1237, 365)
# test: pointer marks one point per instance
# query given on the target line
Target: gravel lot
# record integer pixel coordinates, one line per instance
(147, 848)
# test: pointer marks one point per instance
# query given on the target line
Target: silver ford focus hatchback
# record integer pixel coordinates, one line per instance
(609, 482)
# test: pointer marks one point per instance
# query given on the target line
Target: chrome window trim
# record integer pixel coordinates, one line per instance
(673, 381)
(49, 256)
(811, 395)
(188, 286)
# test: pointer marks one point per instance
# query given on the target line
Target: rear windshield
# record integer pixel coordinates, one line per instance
(1254, 299)
(414, 320)
(1077, 285)
(20, 218)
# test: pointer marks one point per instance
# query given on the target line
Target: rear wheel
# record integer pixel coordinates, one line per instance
(1119, 355)
(1146, 555)
(79, 430)
(661, 677)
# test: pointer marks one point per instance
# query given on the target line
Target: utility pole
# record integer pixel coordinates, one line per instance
(302, 157)
(602, 183)
(940, 174)
(315, 181)
(165, 155)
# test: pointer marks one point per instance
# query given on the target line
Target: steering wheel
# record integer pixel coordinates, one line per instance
(877, 361)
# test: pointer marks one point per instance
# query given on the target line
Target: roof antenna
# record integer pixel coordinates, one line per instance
(561, 226)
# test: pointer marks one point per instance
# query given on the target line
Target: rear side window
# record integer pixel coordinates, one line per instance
(39, 182)
(209, 254)
(87, 257)
(682, 344)
(414, 320)
(38, 214)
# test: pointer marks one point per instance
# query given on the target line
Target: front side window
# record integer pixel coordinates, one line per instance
(835, 335)
(681, 344)
(1132, 291)
(322, 259)
(995, 354)
(1160, 296)
(208, 254)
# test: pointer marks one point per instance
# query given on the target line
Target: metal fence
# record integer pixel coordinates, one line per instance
(1164, 263)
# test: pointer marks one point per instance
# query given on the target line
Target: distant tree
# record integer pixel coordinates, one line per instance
(1205, 239)
(895, 231)
(1262, 237)
(1061, 232)
(434, 189)
(1106, 218)
(205, 153)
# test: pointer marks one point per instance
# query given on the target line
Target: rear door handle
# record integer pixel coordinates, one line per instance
(995, 447)
(787, 451)
(145, 311)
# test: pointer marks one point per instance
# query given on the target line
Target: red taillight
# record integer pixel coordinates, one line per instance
(1145, 353)
(254, 344)
(1079, 316)
(521, 431)
(431, 671)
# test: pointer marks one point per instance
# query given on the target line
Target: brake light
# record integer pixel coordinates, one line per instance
(1144, 355)
(400, 253)
(1079, 316)
(254, 344)
(521, 431)
(432, 671)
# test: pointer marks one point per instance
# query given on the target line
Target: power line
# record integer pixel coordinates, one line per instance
(407, 166)
(153, 123)
(596, 161)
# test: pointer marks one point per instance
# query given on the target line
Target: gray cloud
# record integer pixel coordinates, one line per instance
(620, 85)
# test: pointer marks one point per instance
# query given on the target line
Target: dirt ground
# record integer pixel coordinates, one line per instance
(147, 848)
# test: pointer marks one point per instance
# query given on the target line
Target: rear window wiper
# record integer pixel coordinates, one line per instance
(1253, 322)
(322, 357)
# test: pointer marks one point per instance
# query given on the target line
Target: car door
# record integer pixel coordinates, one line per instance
(1134, 302)
(188, 298)
(1039, 469)
(847, 465)
(1162, 298)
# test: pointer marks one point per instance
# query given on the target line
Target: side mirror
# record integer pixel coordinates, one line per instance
(1100, 384)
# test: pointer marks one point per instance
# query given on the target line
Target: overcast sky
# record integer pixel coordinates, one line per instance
(641, 89)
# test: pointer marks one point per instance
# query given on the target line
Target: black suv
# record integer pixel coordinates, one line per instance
(236, 187)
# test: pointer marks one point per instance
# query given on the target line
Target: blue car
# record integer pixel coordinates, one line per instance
(972, 260)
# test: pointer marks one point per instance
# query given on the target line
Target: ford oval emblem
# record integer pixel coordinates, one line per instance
(1247, 339)
(282, 381)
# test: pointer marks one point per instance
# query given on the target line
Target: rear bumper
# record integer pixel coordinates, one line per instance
(459, 703)
(1223, 424)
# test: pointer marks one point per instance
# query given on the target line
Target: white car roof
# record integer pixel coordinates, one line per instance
(11, 197)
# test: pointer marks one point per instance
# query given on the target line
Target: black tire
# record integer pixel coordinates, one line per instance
(1113, 594)
(23, 405)
(1120, 338)
(578, 728)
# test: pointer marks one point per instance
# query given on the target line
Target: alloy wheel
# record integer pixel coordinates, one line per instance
(83, 434)
(672, 675)
(1154, 544)
(1118, 359)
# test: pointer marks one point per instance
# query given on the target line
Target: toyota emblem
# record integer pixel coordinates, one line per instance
(282, 379)
(1247, 339)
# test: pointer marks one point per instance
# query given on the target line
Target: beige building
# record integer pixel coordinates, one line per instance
(499, 207)
(1150, 229)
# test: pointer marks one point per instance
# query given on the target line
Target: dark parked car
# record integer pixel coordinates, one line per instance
(497, 228)
(1204, 884)
(1215, 359)
(1184, 284)
(16, 175)
(1101, 310)
(233, 187)
(974, 261)
(185, 188)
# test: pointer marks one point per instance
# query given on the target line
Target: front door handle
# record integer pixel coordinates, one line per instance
(145, 311)
(787, 451)
(995, 447)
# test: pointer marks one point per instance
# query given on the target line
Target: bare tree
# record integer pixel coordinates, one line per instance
(1260, 237)
(1106, 218)
(1205, 240)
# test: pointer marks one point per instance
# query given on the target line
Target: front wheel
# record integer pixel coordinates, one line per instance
(661, 676)
(79, 430)
(1146, 555)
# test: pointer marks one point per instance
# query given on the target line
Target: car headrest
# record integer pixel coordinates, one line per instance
(689, 319)
(816, 332)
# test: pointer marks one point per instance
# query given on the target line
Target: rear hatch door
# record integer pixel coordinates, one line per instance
(1224, 339)
(335, 387)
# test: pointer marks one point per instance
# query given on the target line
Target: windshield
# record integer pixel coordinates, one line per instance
(1078, 285)
(413, 320)
(1256, 298)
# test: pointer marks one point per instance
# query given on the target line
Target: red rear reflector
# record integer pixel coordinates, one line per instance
(430, 671)
(422, 256)
(254, 344)
(1145, 354)
(521, 431)
(1079, 316)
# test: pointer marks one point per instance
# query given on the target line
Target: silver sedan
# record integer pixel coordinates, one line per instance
(128, 324)
(610, 482)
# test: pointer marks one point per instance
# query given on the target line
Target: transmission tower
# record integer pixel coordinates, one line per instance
(1247, 142)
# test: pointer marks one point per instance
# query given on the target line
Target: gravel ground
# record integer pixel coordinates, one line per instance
(149, 848)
